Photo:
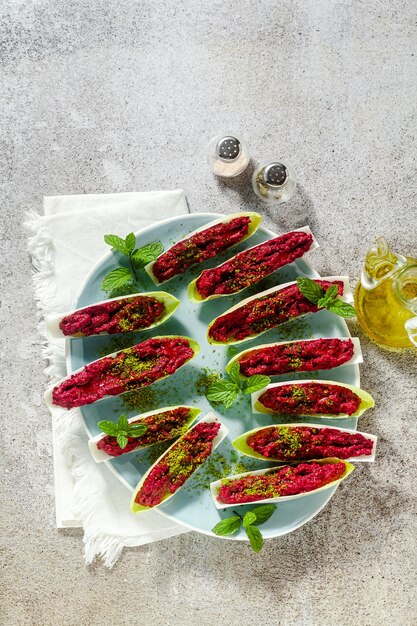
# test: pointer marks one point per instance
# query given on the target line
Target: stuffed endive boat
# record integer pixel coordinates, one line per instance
(159, 425)
(304, 442)
(131, 368)
(280, 484)
(250, 266)
(178, 464)
(141, 311)
(301, 355)
(318, 398)
(268, 309)
(203, 244)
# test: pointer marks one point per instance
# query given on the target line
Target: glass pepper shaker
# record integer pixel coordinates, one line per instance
(228, 155)
(274, 182)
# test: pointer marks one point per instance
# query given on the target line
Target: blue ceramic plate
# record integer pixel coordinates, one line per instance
(192, 506)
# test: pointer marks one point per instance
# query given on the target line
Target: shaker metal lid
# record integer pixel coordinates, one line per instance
(275, 174)
(228, 148)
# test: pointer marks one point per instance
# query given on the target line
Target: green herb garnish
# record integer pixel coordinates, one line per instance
(122, 430)
(325, 299)
(250, 521)
(227, 391)
(124, 280)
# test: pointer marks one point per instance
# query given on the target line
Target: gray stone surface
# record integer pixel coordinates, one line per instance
(103, 96)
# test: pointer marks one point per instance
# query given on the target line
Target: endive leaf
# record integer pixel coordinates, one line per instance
(170, 303)
(347, 295)
(136, 424)
(240, 442)
(255, 220)
(356, 357)
(366, 399)
(215, 486)
(138, 508)
(195, 296)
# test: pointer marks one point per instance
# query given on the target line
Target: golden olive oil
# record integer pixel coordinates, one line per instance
(382, 315)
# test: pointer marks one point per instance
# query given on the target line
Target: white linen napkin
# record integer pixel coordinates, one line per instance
(64, 244)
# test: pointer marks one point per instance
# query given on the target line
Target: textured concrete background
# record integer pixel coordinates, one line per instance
(103, 96)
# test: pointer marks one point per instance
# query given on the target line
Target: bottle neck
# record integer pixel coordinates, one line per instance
(380, 264)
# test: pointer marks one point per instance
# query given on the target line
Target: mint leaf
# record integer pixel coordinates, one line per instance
(341, 308)
(146, 254)
(122, 440)
(227, 526)
(323, 302)
(332, 292)
(123, 422)
(310, 289)
(110, 428)
(255, 383)
(263, 513)
(255, 538)
(130, 242)
(249, 518)
(223, 391)
(136, 430)
(234, 373)
(118, 243)
(116, 278)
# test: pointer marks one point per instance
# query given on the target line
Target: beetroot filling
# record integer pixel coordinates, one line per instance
(161, 426)
(265, 312)
(250, 266)
(285, 481)
(117, 316)
(304, 442)
(178, 464)
(301, 356)
(134, 367)
(200, 247)
(310, 399)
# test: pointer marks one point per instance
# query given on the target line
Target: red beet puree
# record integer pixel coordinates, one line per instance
(178, 464)
(200, 247)
(300, 356)
(116, 316)
(265, 312)
(134, 367)
(161, 426)
(250, 266)
(311, 398)
(285, 481)
(290, 443)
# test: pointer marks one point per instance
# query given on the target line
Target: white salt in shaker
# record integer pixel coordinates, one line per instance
(274, 182)
(228, 155)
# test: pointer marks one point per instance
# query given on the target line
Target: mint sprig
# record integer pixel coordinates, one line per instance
(116, 279)
(122, 430)
(325, 299)
(227, 391)
(124, 280)
(250, 521)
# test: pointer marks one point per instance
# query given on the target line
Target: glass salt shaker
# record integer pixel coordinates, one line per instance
(274, 182)
(228, 155)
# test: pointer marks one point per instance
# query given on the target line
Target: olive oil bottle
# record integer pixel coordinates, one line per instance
(386, 297)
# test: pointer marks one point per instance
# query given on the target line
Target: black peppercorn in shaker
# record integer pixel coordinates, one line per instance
(274, 182)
